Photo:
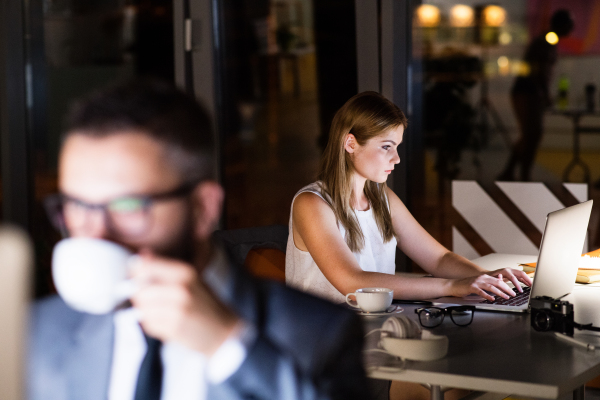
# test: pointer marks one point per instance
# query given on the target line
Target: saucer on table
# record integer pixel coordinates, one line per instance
(393, 309)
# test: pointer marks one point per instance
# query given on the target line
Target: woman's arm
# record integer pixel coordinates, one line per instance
(434, 258)
(315, 230)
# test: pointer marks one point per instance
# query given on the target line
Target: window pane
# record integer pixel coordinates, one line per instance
(501, 95)
(76, 47)
(289, 65)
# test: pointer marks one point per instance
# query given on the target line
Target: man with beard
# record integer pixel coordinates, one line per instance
(135, 169)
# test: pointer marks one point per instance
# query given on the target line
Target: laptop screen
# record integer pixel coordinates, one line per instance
(560, 250)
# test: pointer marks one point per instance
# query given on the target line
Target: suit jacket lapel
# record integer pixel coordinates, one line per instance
(239, 292)
(232, 284)
(88, 364)
(241, 295)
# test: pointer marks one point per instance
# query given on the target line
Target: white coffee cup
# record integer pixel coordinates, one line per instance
(371, 299)
(91, 274)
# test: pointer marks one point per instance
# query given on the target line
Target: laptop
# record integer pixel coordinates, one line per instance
(557, 262)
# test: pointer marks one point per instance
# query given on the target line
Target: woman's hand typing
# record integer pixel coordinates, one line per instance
(481, 285)
(513, 275)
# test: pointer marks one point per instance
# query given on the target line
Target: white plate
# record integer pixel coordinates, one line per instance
(393, 309)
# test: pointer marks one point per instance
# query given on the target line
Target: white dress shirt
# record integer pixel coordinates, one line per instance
(186, 372)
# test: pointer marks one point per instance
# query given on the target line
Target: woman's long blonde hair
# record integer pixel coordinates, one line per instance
(366, 116)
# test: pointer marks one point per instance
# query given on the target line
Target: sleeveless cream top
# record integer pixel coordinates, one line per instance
(301, 271)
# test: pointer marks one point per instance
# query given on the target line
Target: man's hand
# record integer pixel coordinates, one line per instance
(175, 305)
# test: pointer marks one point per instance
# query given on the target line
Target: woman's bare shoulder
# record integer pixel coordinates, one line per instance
(312, 218)
(309, 203)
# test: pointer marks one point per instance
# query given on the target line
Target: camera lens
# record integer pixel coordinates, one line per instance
(542, 320)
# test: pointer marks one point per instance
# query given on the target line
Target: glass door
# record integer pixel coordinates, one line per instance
(504, 86)
(70, 47)
(273, 72)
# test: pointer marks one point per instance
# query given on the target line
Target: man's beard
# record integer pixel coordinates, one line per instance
(183, 246)
(180, 246)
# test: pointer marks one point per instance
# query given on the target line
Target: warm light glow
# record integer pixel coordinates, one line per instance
(428, 16)
(551, 38)
(505, 38)
(504, 65)
(461, 16)
(520, 68)
(494, 16)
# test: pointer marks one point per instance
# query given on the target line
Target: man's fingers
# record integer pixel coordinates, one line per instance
(160, 322)
(151, 268)
(160, 295)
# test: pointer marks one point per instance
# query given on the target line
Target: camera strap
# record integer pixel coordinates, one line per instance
(586, 327)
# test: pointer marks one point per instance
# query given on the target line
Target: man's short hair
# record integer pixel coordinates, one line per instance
(154, 108)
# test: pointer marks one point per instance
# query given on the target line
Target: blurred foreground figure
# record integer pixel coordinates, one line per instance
(135, 169)
(16, 260)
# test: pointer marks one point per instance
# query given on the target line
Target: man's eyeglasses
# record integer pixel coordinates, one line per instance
(127, 216)
(430, 317)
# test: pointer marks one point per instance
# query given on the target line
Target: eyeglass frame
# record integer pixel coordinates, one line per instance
(446, 310)
(54, 203)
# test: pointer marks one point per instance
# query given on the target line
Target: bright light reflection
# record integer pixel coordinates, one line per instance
(552, 38)
(520, 68)
(461, 16)
(503, 62)
(504, 65)
(505, 38)
(494, 16)
(428, 16)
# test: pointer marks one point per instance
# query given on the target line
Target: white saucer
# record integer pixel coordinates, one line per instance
(393, 309)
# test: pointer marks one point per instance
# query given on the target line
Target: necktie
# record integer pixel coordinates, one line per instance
(150, 376)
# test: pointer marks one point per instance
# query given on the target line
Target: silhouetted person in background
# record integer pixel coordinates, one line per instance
(530, 97)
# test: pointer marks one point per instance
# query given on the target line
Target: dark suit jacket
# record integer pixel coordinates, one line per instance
(306, 348)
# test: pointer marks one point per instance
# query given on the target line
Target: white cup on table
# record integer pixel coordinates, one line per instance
(371, 299)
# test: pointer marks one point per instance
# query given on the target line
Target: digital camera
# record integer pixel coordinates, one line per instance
(548, 314)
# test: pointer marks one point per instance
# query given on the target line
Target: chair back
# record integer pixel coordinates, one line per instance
(260, 249)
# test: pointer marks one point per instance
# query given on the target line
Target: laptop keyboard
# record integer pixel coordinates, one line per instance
(519, 299)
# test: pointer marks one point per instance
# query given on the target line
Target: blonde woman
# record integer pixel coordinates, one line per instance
(344, 228)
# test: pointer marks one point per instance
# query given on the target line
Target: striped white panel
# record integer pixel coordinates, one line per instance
(462, 247)
(533, 199)
(579, 190)
(488, 220)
